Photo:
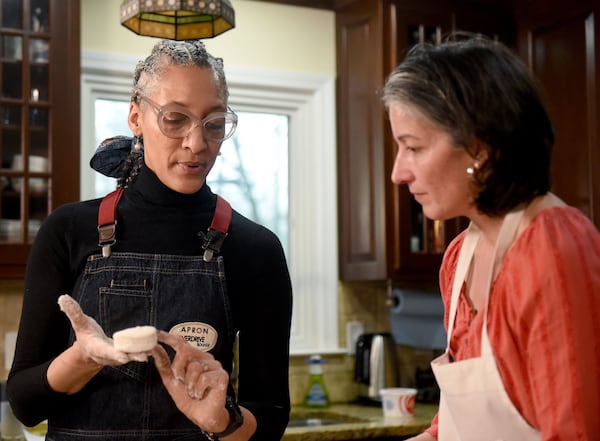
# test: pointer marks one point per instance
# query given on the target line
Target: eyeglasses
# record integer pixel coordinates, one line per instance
(177, 122)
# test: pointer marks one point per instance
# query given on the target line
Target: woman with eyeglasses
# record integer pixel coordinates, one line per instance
(161, 251)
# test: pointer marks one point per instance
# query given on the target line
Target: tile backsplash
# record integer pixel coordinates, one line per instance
(11, 296)
(364, 302)
(10, 342)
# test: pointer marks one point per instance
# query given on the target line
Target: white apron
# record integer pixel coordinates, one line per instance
(474, 405)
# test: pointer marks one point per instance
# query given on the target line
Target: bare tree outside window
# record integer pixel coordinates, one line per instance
(252, 171)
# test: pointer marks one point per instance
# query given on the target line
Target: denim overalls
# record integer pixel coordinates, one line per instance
(181, 294)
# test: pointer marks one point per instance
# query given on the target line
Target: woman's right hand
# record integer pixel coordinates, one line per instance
(91, 339)
(92, 350)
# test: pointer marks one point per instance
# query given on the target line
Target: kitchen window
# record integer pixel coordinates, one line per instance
(299, 113)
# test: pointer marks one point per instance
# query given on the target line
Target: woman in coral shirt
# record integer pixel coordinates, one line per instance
(522, 284)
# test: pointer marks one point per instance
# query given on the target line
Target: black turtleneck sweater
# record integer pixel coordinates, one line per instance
(152, 218)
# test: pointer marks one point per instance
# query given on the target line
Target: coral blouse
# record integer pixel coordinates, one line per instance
(542, 323)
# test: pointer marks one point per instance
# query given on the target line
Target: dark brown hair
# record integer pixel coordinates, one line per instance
(482, 94)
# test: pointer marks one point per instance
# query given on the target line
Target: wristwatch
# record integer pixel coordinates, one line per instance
(236, 416)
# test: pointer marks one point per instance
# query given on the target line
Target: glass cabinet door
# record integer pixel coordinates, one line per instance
(25, 113)
(427, 237)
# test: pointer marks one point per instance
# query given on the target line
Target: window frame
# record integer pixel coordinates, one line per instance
(309, 102)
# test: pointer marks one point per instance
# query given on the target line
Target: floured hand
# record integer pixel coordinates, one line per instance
(91, 339)
(196, 382)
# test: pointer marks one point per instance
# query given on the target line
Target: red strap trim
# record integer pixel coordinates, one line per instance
(222, 216)
(107, 214)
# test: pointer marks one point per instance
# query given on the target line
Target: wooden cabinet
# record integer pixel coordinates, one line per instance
(39, 119)
(383, 234)
(361, 163)
(561, 42)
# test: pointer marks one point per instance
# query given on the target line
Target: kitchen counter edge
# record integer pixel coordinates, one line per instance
(372, 425)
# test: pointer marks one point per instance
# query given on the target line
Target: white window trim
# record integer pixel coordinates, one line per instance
(309, 101)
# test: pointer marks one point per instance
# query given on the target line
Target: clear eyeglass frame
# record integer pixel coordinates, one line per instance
(177, 122)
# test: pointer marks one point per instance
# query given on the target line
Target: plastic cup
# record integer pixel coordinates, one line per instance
(398, 402)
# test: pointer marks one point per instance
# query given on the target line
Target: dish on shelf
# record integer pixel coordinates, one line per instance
(37, 164)
(10, 230)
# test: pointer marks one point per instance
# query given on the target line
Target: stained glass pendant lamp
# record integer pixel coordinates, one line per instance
(178, 19)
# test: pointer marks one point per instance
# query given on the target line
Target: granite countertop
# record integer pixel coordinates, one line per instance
(359, 422)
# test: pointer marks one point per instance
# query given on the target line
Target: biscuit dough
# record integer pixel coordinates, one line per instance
(136, 339)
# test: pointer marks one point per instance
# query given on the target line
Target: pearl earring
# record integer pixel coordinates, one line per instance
(471, 170)
(138, 143)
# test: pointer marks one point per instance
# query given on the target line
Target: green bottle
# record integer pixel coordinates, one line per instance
(316, 393)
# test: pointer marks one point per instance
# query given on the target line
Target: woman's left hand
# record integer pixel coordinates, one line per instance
(196, 382)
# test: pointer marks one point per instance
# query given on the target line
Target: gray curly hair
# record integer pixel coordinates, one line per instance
(168, 53)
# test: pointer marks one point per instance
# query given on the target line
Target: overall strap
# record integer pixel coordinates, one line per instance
(107, 220)
(218, 229)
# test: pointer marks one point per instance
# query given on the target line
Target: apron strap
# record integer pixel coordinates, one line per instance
(464, 260)
(506, 237)
(107, 222)
(218, 229)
